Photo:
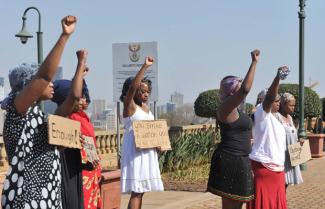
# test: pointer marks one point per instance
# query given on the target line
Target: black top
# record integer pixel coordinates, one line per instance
(235, 136)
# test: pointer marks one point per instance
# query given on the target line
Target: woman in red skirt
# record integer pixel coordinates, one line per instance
(268, 151)
(91, 171)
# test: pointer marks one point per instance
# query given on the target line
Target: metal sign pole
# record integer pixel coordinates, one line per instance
(155, 110)
(118, 133)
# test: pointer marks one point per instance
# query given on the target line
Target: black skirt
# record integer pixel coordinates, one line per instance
(231, 176)
(72, 195)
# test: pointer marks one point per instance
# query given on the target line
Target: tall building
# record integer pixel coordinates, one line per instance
(161, 109)
(59, 74)
(177, 98)
(106, 120)
(111, 120)
(170, 107)
(98, 107)
(2, 88)
(49, 106)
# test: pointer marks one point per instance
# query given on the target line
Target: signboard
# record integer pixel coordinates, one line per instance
(90, 149)
(64, 132)
(128, 58)
(299, 154)
(150, 134)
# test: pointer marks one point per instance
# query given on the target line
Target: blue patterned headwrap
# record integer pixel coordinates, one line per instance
(62, 88)
(19, 77)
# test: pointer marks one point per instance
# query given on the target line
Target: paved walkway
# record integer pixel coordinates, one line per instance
(309, 195)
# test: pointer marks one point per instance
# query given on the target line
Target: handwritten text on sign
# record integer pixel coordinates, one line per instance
(90, 149)
(299, 154)
(64, 132)
(150, 134)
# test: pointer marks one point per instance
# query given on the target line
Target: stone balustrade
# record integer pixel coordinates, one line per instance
(107, 144)
(178, 131)
(3, 156)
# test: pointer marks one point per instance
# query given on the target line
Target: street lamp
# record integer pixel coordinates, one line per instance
(24, 35)
(302, 16)
(301, 13)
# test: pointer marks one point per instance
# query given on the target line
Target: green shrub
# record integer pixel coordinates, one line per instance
(312, 104)
(207, 103)
(189, 150)
(249, 108)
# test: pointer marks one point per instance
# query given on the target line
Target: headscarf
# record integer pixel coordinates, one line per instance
(261, 96)
(228, 85)
(286, 97)
(19, 77)
(62, 88)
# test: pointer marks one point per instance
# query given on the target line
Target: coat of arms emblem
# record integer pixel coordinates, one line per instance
(134, 49)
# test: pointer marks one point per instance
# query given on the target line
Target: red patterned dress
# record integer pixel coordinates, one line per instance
(90, 175)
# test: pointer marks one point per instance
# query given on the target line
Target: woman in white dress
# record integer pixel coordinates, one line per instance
(139, 168)
(287, 107)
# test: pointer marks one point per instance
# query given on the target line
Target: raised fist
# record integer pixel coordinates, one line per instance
(68, 24)
(82, 55)
(149, 61)
(255, 55)
(283, 72)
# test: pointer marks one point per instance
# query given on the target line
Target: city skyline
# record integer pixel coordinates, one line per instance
(198, 43)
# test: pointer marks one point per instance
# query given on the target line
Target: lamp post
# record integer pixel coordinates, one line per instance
(302, 16)
(24, 34)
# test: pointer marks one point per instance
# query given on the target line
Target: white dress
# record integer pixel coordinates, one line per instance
(139, 168)
(292, 173)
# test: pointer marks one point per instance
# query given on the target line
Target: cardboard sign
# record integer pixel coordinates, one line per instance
(151, 133)
(64, 132)
(90, 149)
(299, 154)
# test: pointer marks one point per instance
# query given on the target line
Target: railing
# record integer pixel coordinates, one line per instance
(3, 156)
(107, 144)
(177, 131)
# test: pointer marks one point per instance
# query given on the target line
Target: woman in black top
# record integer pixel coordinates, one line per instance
(230, 173)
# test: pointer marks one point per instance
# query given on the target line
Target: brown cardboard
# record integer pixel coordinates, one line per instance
(90, 149)
(151, 133)
(64, 132)
(299, 154)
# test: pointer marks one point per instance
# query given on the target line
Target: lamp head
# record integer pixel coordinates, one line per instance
(24, 34)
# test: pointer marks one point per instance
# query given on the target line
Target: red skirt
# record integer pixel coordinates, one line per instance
(269, 188)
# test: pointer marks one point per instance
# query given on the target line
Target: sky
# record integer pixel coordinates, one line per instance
(199, 42)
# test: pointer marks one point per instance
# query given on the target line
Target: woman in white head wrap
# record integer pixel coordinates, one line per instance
(287, 107)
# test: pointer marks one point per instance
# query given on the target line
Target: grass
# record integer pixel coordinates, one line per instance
(192, 175)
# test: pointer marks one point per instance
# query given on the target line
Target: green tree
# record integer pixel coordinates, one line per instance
(323, 108)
